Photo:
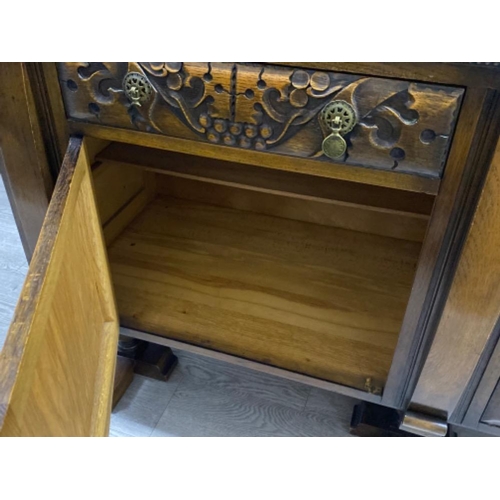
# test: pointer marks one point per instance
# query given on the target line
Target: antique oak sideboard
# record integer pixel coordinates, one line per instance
(333, 223)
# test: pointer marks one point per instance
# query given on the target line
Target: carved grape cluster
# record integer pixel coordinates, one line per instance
(305, 84)
(171, 71)
(174, 76)
(245, 135)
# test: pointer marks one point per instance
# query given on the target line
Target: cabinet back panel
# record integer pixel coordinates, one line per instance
(254, 177)
(328, 212)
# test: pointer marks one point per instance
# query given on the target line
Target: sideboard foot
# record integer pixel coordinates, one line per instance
(371, 420)
(156, 361)
(151, 360)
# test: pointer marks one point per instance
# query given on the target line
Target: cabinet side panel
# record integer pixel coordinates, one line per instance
(472, 309)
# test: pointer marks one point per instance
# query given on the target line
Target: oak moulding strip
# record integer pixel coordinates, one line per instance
(454, 74)
(405, 182)
(253, 365)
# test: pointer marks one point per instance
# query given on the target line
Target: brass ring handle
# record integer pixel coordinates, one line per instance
(340, 118)
(137, 88)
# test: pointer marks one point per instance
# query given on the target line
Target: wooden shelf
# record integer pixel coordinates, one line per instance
(322, 301)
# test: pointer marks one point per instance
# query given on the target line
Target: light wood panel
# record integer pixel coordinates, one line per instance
(374, 220)
(57, 364)
(472, 308)
(122, 192)
(261, 178)
(312, 299)
(115, 187)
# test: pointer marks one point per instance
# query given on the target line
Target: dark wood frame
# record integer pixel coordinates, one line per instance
(33, 139)
(33, 169)
(458, 193)
(486, 386)
(461, 395)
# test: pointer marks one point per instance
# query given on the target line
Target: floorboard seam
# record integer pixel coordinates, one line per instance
(307, 399)
(164, 411)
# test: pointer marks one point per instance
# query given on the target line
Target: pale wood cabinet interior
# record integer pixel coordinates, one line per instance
(313, 284)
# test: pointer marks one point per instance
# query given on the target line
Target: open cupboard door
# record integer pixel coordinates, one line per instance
(57, 365)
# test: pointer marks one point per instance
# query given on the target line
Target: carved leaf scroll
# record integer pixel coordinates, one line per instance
(401, 126)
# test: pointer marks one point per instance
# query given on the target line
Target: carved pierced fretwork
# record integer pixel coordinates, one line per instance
(401, 126)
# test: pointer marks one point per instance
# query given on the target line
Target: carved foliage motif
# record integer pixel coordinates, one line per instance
(401, 125)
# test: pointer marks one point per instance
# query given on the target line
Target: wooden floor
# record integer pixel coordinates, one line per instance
(203, 397)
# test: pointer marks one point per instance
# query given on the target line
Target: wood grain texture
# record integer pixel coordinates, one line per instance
(115, 187)
(472, 308)
(122, 192)
(465, 168)
(402, 126)
(55, 107)
(127, 213)
(312, 299)
(57, 364)
(23, 161)
(330, 170)
(50, 112)
(258, 178)
(333, 213)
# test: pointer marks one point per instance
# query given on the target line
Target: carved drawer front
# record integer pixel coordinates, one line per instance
(399, 126)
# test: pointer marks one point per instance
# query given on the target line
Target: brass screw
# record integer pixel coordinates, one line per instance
(369, 387)
(368, 384)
